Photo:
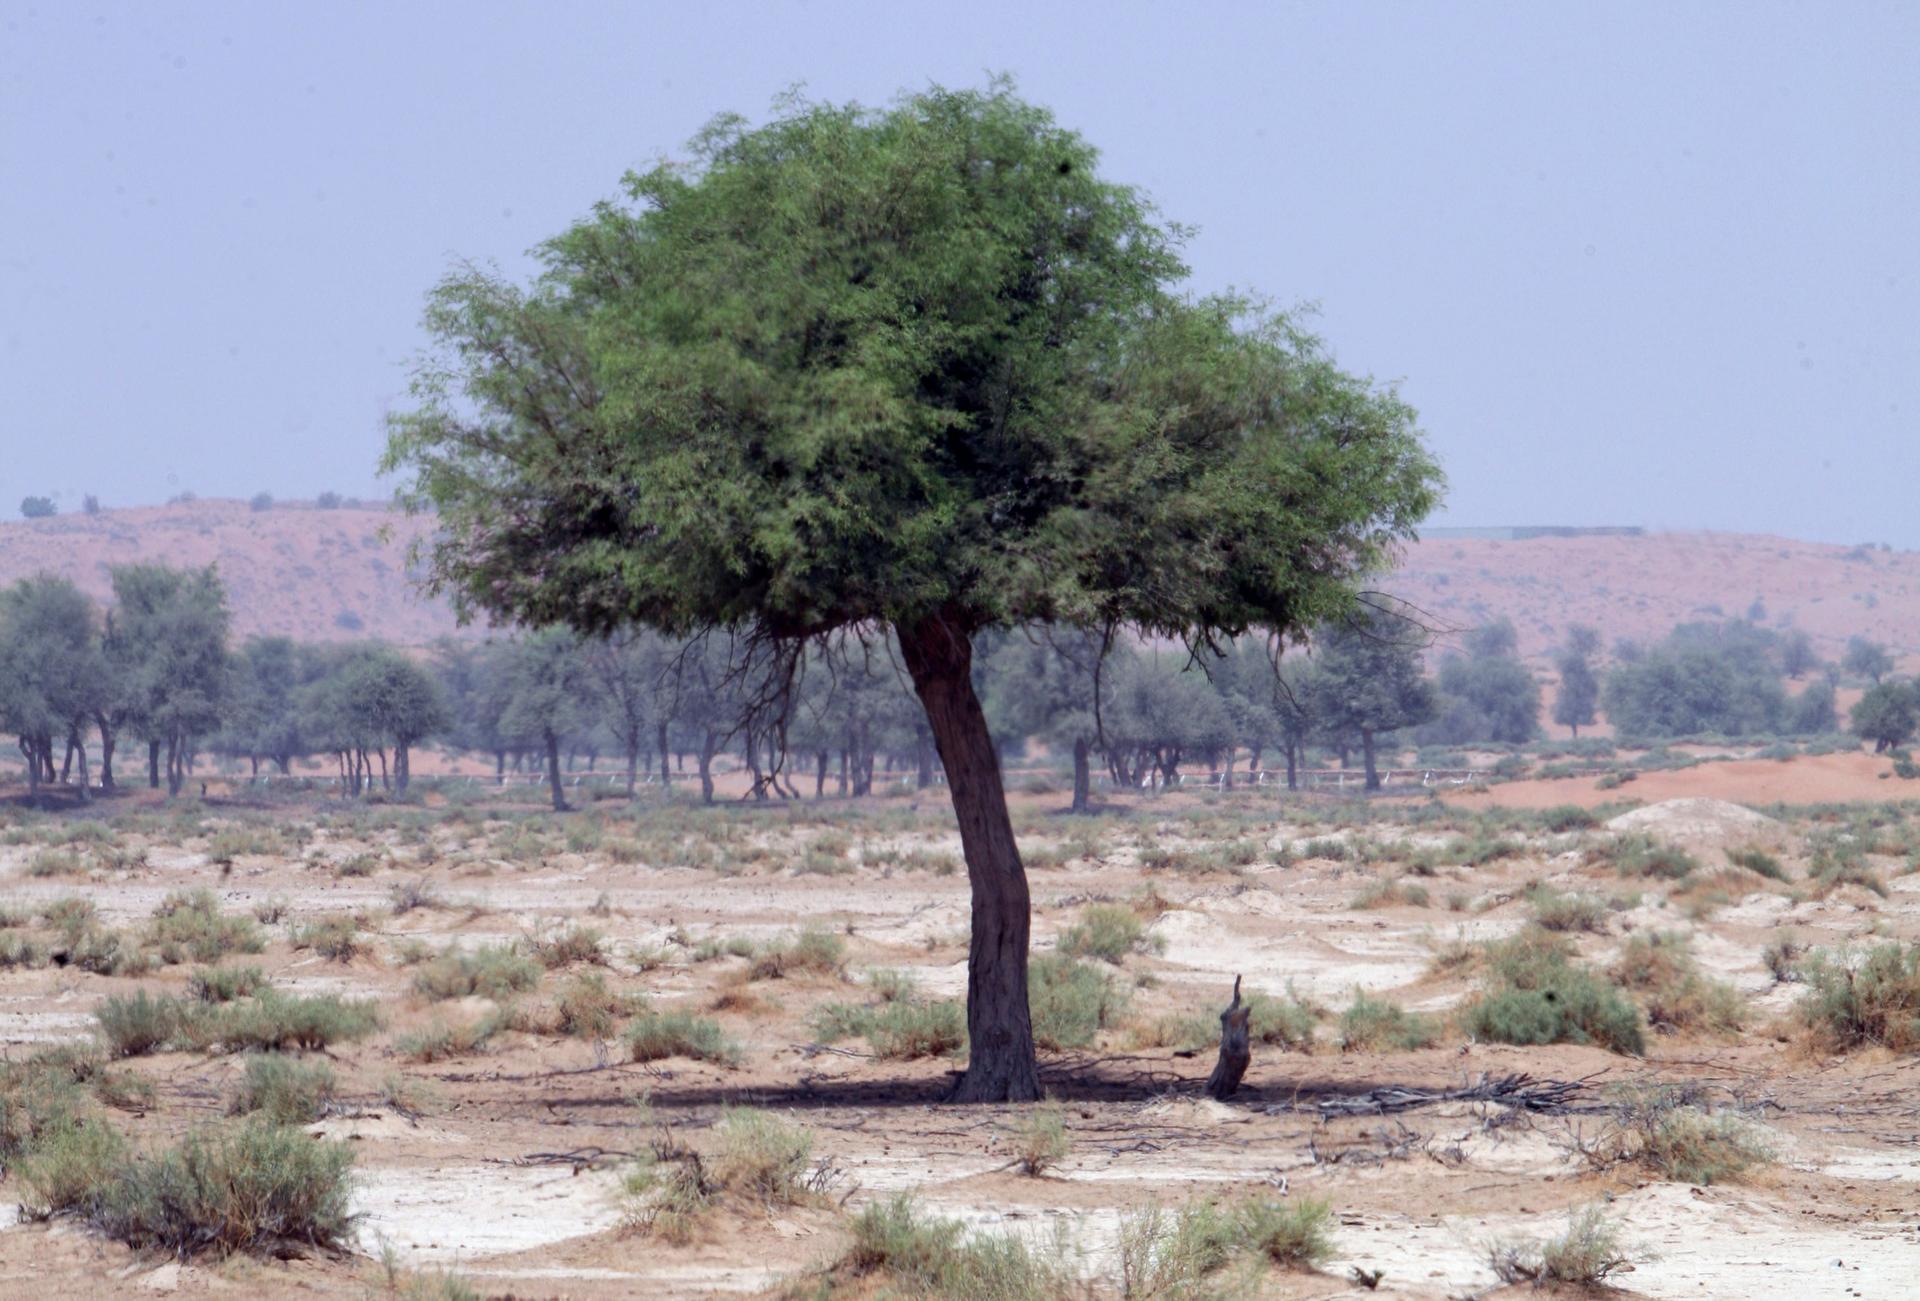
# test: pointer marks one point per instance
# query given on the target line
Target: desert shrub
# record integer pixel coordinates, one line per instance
(224, 984)
(127, 1090)
(928, 1256)
(1284, 1022)
(41, 1095)
(493, 971)
(1391, 893)
(71, 1169)
(189, 924)
(1854, 999)
(900, 1029)
(230, 843)
(731, 946)
(405, 896)
(283, 1090)
(1560, 911)
(760, 1155)
(359, 865)
(55, 862)
(138, 1023)
(1586, 1255)
(335, 937)
(568, 946)
(812, 950)
(440, 1040)
(1782, 957)
(1334, 851)
(1671, 1133)
(1040, 1139)
(892, 986)
(19, 949)
(275, 1021)
(654, 1035)
(1567, 817)
(1538, 994)
(1070, 1001)
(1676, 993)
(271, 910)
(1108, 932)
(587, 1009)
(1210, 1248)
(1371, 1024)
(253, 1187)
(1635, 853)
(1759, 862)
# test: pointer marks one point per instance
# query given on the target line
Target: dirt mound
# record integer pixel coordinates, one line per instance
(1701, 823)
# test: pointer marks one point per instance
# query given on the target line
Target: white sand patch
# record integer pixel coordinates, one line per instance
(666, 1281)
(44, 1027)
(1312, 965)
(454, 1213)
(1702, 823)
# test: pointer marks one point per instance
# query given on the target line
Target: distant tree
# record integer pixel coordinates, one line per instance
(52, 675)
(1757, 611)
(396, 702)
(90, 505)
(1813, 712)
(1866, 659)
(38, 507)
(551, 697)
(1162, 713)
(630, 669)
(1368, 681)
(1042, 682)
(1797, 656)
(1486, 694)
(169, 640)
(1704, 678)
(328, 500)
(262, 716)
(1579, 693)
(917, 372)
(1886, 715)
(260, 501)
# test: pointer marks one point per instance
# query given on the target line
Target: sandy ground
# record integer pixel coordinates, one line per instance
(495, 1174)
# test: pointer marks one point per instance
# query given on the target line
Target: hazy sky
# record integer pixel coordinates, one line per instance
(1649, 264)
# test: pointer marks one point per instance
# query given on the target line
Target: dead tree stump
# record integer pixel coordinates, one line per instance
(1235, 1052)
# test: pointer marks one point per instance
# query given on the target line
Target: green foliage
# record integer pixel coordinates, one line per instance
(927, 1256)
(283, 1090)
(1678, 996)
(1040, 1139)
(1108, 932)
(37, 507)
(255, 1187)
(1210, 1248)
(898, 1029)
(654, 1035)
(224, 984)
(1371, 1024)
(189, 924)
(1759, 862)
(138, 1023)
(494, 971)
(1070, 1001)
(1635, 853)
(335, 936)
(1538, 995)
(1855, 999)
(1705, 678)
(813, 950)
(1888, 715)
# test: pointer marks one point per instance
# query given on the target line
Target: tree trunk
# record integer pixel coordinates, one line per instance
(1082, 776)
(1226, 782)
(153, 765)
(33, 768)
(106, 753)
(385, 783)
(1293, 768)
(79, 745)
(1235, 1050)
(633, 764)
(843, 774)
(666, 773)
(553, 773)
(924, 752)
(820, 775)
(1366, 753)
(708, 744)
(1001, 1066)
(402, 767)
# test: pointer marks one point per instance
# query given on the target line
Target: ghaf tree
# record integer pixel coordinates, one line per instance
(919, 369)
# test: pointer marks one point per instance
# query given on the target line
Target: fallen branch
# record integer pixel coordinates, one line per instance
(1523, 1092)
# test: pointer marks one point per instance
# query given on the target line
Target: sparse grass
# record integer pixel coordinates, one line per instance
(1782, 957)
(56, 862)
(1040, 1139)
(283, 1090)
(1678, 996)
(495, 971)
(335, 937)
(1070, 1001)
(1675, 1136)
(1586, 1255)
(189, 924)
(760, 1155)
(899, 1029)
(224, 984)
(812, 951)
(1637, 854)
(1856, 998)
(570, 945)
(655, 1035)
(928, 1256)
(1371, 1024)
(1759, 862)
(1285, 1022)
(1391, 893)
(1560, 911)
(440, 1040)
(1208, 1248)
(138, 1023)
(586, 1009)
(273, 1021)
(1108, 932)
(409, 895)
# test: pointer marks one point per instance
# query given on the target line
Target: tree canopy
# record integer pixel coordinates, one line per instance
(921, 367)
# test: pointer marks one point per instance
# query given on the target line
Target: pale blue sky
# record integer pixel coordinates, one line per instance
(1634, 263)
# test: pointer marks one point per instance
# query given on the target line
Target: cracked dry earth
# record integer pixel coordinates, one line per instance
(505, 1167)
